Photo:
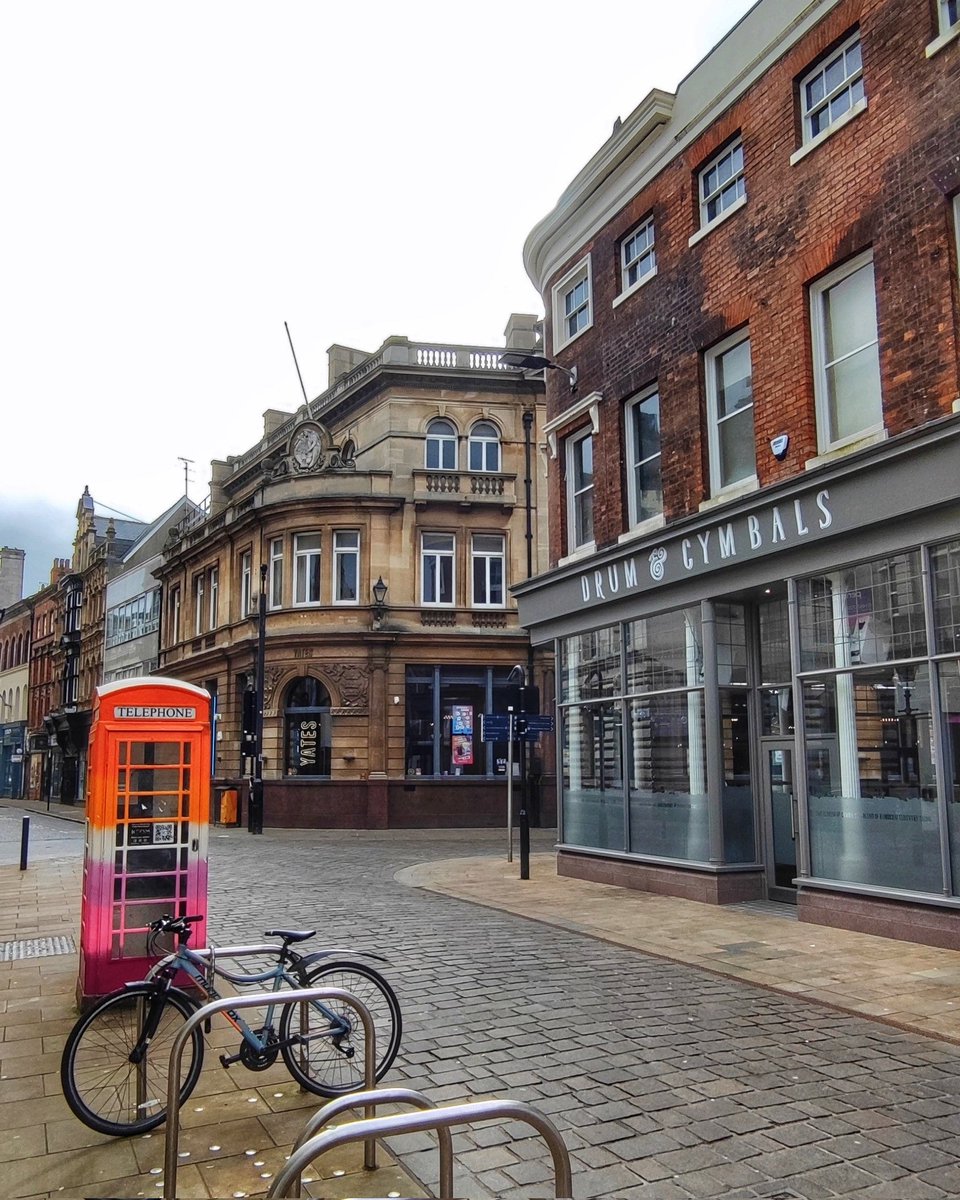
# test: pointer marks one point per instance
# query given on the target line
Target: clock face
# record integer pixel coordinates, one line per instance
(306, 448)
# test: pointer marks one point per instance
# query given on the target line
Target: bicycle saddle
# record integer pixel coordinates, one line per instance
(290, 935)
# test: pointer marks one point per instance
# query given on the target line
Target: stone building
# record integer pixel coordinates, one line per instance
(98, 549)
(386, 521)
(132, 635)
(754, 583)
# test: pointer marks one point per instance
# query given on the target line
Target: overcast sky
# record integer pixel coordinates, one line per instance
(180, 179)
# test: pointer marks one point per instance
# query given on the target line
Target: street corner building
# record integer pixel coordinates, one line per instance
(754, 585)
(380, 528)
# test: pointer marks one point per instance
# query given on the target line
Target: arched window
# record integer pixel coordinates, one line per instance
(307, 728)
(441, 446)
(484, 447)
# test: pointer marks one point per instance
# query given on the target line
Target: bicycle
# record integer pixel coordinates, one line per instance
(115, 1063)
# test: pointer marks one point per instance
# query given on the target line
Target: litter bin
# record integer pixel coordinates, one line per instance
(228, 807)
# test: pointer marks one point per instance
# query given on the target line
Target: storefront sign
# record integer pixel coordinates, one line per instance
(744, 537)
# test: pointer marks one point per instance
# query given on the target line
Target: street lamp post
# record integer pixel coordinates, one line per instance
(255, 809)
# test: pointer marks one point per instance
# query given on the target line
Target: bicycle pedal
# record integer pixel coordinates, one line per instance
(227, 1060)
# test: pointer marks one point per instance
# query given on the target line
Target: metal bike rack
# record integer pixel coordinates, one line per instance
(261, 1000)
(380, 1096)
(455, 1114)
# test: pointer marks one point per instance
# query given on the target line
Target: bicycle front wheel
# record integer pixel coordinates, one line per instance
(103, 1087)
(332, 1064)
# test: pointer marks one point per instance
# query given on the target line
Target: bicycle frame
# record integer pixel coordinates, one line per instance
(201, 968)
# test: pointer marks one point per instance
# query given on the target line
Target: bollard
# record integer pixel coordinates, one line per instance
(24, 842)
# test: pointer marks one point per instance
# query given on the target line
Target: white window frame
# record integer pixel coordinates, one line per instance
(634, 461)
(711, 362)
(199, 593)
(821, 365)
(737, 180)
(342, 549)
(581, 273)
(275, 593)
(575, 495)
(485, 444)
(446, 444)
(647, 256)
(485, 560)
(304, 557)
(956, 227)
(430, 566)
(948, 24)
(847, 85)
(246, 583)
(214, 596)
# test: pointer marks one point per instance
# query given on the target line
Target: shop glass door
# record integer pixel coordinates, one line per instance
(781, 804)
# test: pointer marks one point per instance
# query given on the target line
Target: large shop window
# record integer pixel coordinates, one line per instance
(868, 705)
(307, 728)
(632, 697)
(443, 707)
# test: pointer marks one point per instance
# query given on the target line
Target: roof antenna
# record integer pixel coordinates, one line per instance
(187, 464)
(297, 365)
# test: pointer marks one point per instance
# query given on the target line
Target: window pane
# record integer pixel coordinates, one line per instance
(668, 789)
(734, 381)
(850, 313)
(853, 390)
(590, 665)
(950, 708)
(870, 779)
(593, 796)
(737, 454)
(945, 562)
(664, 651)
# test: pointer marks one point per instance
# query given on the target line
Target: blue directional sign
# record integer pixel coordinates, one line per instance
(536, 724)
(494, 727)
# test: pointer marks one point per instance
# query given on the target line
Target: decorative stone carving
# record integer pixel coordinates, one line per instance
(352, 682)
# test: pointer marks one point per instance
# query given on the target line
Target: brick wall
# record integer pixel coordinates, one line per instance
(883, 182)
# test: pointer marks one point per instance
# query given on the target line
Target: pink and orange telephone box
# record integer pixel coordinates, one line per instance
(148, 817)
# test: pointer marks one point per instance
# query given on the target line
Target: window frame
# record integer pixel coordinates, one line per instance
(214, 599)
(572, 444)
(488, 558)
(199, 600)
(246, 583)
(275, 579)
(443, 442)
(818, 290)
(581, 272)
(306, 556)
(175, 614)
(738, 177)
(633, 462)
(650, 252)
(808, 138)
(437, 555)
(339, 552)
(948, 29)
(484, 443)
(711, 360)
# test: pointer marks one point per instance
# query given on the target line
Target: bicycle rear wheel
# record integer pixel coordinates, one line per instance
(322, 1063)
(103, 1087)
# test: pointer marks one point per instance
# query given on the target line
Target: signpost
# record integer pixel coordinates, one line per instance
(509, 727)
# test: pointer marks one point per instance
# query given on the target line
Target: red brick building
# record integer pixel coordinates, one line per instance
(44, 759)
(755, 570)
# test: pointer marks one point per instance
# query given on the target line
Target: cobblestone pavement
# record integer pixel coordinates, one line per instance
(48, 837)
(666, 1081)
